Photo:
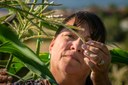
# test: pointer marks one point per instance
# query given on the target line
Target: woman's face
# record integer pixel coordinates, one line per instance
(66, 52)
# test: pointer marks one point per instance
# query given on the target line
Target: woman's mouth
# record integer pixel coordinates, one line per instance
(71, 56)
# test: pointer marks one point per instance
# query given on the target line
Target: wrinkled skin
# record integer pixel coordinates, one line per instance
(72, 61)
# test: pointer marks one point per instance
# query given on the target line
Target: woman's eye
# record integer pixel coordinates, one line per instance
(70, 36)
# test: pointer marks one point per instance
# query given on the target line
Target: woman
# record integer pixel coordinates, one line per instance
(71, 60)
(74, 62)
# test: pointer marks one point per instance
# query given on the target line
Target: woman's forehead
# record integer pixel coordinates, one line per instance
(70, 22)
(84, 28)
(84, 33)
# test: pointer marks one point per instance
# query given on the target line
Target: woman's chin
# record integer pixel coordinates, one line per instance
(70, 66)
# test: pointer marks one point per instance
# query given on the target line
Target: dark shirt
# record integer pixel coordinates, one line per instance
(44, 82)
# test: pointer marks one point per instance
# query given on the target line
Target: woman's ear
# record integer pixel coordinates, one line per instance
(51, 45)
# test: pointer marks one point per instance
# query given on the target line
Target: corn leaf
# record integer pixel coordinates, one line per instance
(44, 57)
(119, 56)
(11, 44)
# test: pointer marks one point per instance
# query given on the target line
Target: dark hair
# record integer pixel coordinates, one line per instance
(96, 27)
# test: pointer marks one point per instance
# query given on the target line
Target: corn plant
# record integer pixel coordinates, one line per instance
(29, 20)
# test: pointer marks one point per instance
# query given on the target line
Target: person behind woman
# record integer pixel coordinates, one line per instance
(73, 62)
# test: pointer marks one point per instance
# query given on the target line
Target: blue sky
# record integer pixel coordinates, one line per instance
(84, 3)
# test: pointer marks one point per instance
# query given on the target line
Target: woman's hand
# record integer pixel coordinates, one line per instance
(97, 57)
(4, 78)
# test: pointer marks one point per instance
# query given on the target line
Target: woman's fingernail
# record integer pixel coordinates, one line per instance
(87, 53)
(90, 41)
(83, 46)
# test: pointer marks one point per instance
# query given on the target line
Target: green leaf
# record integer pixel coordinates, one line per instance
(119, 56)
(16, 65)
(12, 45)
(44, 57)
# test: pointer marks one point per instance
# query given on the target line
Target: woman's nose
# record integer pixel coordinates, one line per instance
(76, 45)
